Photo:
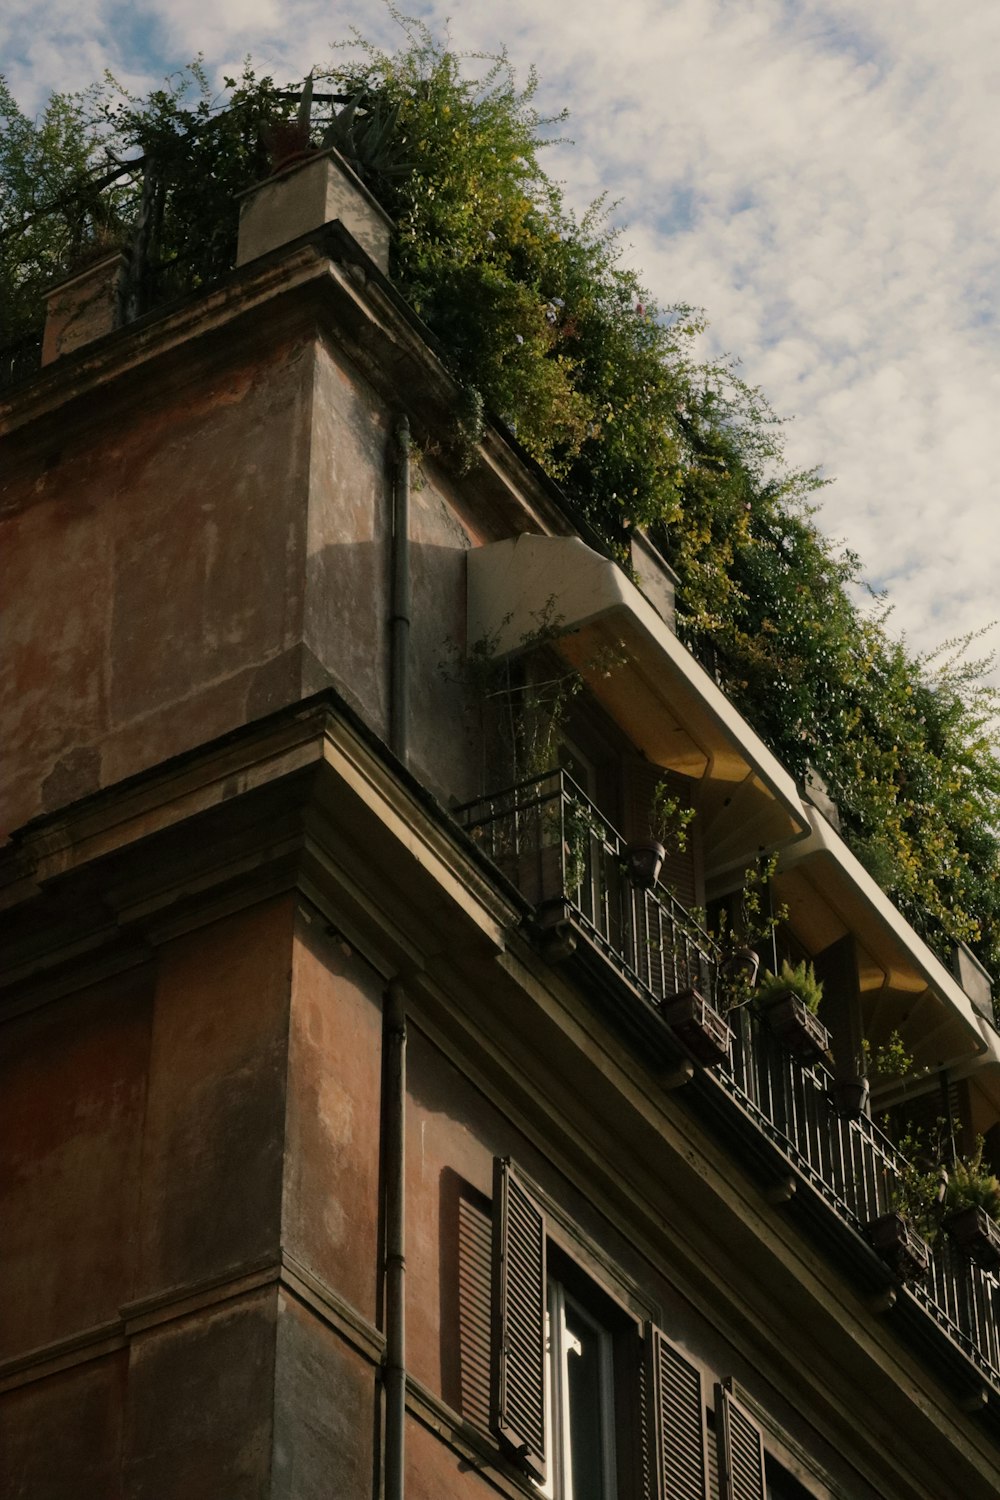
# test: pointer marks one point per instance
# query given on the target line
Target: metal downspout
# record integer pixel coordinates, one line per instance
(399, 616)
(394, 1022)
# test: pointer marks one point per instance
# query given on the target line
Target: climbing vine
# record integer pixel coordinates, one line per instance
(550, 334)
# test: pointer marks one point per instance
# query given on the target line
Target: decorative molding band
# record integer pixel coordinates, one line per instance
(61, 1354)
(327, 1304)
(138, 1317)
(475, 1448)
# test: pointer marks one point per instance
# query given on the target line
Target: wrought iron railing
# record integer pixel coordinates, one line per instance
(565, 858)
(549, 839)
(125, 204)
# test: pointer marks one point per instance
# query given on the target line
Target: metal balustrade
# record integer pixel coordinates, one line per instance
(551, 842)
(563, 856)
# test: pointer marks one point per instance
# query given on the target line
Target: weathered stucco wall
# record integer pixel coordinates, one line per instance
(153, 578)
(348, 602)
(330, 1212)
(73, 1081)
(143, 1126)
(212, 554)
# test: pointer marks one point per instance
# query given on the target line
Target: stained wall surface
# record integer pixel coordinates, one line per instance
(153, 579)
(143, 1128)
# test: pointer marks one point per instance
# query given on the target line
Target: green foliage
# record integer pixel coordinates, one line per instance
(799, 980)
(201, 152)
(926, 1191)
(544, 327)
(49, 210)
(890, 1060)
(581, 827)
(73, 182)
(917, 1194)
(523, 696)
(668, 820)
(971, 1184)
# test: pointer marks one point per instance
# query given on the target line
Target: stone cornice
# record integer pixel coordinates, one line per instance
(296, 800)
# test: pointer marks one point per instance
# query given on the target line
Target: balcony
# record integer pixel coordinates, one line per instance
(639, 949)
(646, 962)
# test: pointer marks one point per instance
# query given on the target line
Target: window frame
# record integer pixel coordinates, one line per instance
(643, 1396)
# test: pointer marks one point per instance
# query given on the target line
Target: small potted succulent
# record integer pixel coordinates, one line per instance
(668, 822)
(971, 1209)
(788, 1002)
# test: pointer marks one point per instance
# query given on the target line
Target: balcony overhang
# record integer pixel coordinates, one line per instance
(904, 986)
(660, 696)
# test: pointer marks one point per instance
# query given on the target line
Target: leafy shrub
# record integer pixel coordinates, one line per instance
(546, 329)
(799, 980)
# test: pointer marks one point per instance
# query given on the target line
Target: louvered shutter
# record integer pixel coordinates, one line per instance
(517, 1405)
(741, 1450)
(676, 1423)
(713, 1467)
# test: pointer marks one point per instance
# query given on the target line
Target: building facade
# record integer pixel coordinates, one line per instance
(371, 1124)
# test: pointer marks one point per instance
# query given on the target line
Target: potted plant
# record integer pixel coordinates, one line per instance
(849, 1096)
(788, 1001)
(705, 1033)
(849, 1093)
(972, 1205)
(903, 1235)
(668, 822)
(897, 1241)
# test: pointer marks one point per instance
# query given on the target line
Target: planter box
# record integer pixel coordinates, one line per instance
(976, 1232)
(793, 1023)
(705, 1033)
(537, 873)
(318, 188)
(904, 1251)
(85, 306)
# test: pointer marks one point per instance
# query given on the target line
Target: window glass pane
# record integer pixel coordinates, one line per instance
(589, 1400)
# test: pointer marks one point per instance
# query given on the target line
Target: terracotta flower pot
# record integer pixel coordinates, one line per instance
(643, 863)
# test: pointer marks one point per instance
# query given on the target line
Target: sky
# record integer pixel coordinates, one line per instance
(822, 178)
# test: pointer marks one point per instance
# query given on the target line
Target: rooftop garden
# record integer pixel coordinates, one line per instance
(548, 332)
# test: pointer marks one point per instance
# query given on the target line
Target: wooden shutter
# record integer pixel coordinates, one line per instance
(517, 1405)
(713, 1466)
(741, 1450)
(676, 1424)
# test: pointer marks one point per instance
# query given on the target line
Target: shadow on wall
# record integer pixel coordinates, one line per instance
(466, 1251)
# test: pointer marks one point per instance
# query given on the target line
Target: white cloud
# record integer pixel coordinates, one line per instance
(823, 178)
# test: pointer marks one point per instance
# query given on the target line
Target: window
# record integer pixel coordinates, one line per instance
(591, 1405)
(579, 1402)
(590, 1402)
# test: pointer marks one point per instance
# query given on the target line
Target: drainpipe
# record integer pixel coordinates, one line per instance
(394, 1117)
(399, 617)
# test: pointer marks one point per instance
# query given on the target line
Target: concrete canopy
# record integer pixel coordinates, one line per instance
(656, 691)
(904, 986)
